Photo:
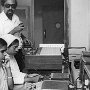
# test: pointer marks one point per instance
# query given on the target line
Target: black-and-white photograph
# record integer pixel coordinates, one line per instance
(44, 44)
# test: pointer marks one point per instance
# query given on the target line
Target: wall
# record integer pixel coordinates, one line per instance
(79, 20)
(29, 3)
(80, 23)
(24, 2)
(38, 30)
(38, 25)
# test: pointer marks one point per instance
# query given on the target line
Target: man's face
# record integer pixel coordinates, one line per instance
(13, 49)
(9, 8)
(2, 53)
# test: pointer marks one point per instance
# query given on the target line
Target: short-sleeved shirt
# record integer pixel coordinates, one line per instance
(3, 79)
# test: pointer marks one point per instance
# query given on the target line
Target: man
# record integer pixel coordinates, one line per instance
(10, 23)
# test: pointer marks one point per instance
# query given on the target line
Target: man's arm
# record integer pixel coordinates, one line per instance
(17, 29)
(9, 78)
(9, 74)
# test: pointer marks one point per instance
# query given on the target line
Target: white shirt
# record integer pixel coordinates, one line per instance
(3, 79)
(18, 76)
(7, 25)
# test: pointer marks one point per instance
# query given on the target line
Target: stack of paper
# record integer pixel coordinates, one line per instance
(50, 51)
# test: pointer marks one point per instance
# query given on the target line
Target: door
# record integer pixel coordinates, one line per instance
(53, 25)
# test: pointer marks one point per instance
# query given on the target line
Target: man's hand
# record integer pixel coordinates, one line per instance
(17, 29)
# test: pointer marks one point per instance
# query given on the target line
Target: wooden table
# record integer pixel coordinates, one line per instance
(18, 87)
(87, 70)
(47, 85)
(24, 86)
(43, 62)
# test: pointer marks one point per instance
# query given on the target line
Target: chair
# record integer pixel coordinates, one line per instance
(75, 53)
(74, 56)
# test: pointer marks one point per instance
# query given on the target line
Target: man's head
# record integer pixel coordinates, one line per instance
(9, 7)
(3, 47)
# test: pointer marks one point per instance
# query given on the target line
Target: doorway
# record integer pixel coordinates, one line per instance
(49, 22)
(53, 23)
